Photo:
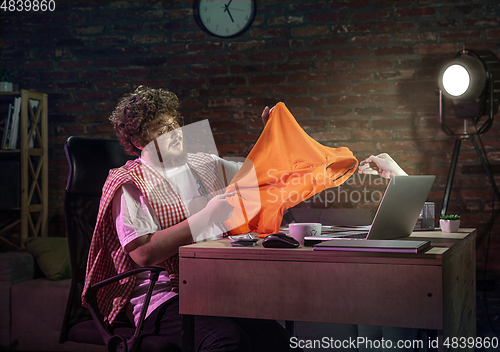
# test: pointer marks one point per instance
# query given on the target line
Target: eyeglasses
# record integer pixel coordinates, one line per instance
(169, 127)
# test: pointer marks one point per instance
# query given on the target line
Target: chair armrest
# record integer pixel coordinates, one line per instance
(114, 342)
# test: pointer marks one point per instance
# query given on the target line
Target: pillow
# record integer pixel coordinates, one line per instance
(52, 256)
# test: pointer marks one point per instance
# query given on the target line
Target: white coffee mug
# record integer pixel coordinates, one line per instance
(304, 229)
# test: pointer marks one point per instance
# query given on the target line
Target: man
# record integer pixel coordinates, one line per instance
(151, 206)
(149, 209)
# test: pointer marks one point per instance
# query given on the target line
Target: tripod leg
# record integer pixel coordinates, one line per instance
(451, 174)
(486, 168)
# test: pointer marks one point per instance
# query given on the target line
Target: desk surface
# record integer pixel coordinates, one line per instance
(441, 244)
(431, 290)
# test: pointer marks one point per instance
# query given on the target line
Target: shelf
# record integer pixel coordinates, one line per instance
(31, 164)
(31, 151)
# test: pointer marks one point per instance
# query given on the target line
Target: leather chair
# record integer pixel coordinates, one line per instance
(89, 163)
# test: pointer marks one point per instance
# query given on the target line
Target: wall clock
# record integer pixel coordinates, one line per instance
(224, 18)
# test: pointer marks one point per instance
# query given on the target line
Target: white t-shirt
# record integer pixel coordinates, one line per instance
(134, 217)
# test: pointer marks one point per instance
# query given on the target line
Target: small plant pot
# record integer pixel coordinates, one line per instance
(6, 86)
(449, 225)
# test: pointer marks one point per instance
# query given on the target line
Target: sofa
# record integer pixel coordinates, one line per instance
(34, 288)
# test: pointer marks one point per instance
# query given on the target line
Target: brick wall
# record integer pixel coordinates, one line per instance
(360, 74)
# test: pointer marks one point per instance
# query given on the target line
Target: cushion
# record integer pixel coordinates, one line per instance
(51, 255)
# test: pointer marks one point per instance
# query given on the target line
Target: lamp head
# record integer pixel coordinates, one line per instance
(463, 79)
(466, 80)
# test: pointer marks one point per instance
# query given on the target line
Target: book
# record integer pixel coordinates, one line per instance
(7, 128)
(392, 246)
(31, 125)
(14, 132)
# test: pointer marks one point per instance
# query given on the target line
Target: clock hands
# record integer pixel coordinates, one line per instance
(227, 9)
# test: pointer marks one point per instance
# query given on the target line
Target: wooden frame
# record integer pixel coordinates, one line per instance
(33, 158)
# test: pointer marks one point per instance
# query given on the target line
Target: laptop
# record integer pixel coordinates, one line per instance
(397, 213)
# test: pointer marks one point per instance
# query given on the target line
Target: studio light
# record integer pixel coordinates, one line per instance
(463, 79)
(472, 82)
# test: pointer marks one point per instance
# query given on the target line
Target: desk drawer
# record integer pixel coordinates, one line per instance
(350, 293)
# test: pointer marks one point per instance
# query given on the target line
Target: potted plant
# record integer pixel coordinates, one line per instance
(449, 223)
(6, 78)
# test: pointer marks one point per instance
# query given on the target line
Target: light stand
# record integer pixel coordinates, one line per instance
(486, 101)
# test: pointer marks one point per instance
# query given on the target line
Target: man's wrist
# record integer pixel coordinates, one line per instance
(400, 172)
(199, 222)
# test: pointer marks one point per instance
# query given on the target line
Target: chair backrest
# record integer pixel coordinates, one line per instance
(89, 162)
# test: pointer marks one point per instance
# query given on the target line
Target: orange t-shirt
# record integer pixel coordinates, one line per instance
(289, 167)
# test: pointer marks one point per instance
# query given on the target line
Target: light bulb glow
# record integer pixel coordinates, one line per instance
(456, 80)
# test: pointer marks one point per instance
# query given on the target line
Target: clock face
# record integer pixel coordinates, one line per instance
(224, 18)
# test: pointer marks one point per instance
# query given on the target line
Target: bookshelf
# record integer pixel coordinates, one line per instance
(24, 184)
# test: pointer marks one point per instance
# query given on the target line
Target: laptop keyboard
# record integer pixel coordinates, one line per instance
(356, 235)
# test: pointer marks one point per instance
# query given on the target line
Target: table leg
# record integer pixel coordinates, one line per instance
(290, 327)
(187, 333)
(435, 340)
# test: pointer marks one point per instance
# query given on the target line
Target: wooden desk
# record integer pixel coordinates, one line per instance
(433, 290)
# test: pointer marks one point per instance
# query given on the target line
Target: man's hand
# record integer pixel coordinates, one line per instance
(265, 115)
(218, 208)
(385, 166)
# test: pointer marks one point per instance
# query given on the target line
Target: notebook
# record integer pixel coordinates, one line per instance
(391, 246)
(397, 213)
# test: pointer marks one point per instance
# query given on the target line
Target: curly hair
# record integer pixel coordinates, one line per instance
(135, 112)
